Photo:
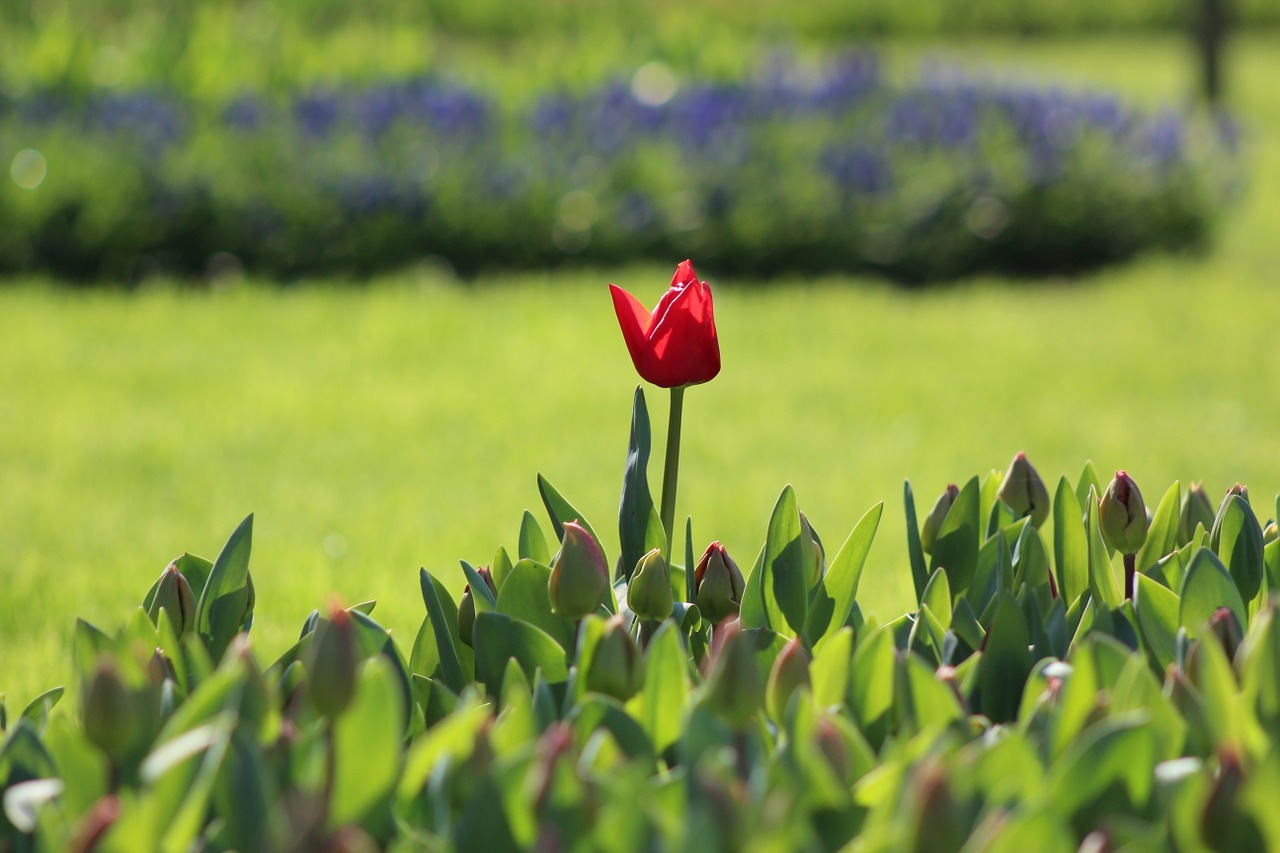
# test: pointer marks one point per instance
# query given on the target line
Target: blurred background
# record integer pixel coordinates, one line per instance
(344, 266)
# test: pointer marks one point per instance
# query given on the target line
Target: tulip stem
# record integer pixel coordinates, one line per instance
(1130, 575)
(671, 468)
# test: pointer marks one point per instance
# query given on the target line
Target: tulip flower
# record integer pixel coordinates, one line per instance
(674, 347)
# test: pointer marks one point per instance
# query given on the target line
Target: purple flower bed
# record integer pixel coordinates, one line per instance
(799, 169)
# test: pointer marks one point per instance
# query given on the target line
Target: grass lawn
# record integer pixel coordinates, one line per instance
(375, 430)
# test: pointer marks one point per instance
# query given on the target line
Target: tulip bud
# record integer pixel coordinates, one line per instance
(649, 593)
(1224, 625)
(1196, 510)
(332, 663)
(1024, 492)
(933, 521)
(114, 713)
(579, 574)
(833, 747)
(733, 686)
(174, 594)
(1122, 515)
(1226, 821)
(718, 584)
(790, 673)
(616, 668)
(1270, 533)
(467, 606)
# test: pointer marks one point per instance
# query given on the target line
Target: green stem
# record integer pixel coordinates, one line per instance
(671, 468)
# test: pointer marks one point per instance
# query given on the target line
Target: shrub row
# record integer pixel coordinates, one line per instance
(799, 168)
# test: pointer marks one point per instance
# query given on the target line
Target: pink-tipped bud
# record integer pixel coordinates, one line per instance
(649, 593)
(332, 663)
(579, 574)
(718, 584)
(173, 593)
(1122, 515)
(1024, 492)
(933, 521)
(790, 673)
(616, 668)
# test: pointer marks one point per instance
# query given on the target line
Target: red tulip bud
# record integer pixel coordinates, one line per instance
(332, 663)
(174, 594)
(1122, 515)
(933, 521)
(718, 585)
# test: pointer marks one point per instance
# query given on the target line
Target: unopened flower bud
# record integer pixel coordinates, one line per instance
(790, 673)
(833, 747)
(1270, 533)
(174, 594)
(467, 606)
(718, 584)
(1196, 510)
(1224, 625)
(649, 593)
(114, 713)
(1024, 492)
(332, 663)
(734, 687)
(1122, 515)
(933, 521)
(579, 574)
(616, 667)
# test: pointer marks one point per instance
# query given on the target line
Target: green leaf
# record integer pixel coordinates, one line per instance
(937, 597)
(666, 686)
(224, 604)
(1089, 479)
(180, 773)
(80, 764)
(1237, 537)
(533, 544)
(1006, 662)
(480, 593)
(915, 550)
(366, 745)
(690, 567)
(524, 596)
(561, 511)
(926, 700)
(372, 640)
(752, 613)
(837, 590)
(37, 710)
(452, 738)
(956, 549)
(783, 585)
(1162, 535)
(1206, 587)
(1157, 609)
(445, 651)
(501, 568)
(829, 672)
(1102, 579)
(1070, 543)
(1118, 750)
(247, 788)
(639, 525)
(498, 637)
(871, 685)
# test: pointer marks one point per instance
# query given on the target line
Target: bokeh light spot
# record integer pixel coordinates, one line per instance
(653, 84)
(28, 169)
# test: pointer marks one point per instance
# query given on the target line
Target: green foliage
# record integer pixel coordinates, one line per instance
(993, 715)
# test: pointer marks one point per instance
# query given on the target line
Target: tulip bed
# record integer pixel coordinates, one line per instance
(797, 168)
(1115, 685)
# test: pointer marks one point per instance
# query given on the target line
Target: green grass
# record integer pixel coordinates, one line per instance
(402, 424)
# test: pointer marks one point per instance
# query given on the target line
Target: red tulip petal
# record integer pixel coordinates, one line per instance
(634, 319)
(682, 341)
(684, 274)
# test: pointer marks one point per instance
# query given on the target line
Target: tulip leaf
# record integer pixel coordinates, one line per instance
(639, 525)
(870, 696)
(500, 568)
(1120, 749)
(915, 550)
(366, 746)
(372, 640)
(1237, 537)
(37, 710)
(1207, 586)
(690, 567)
(752, 613)
(1162, 534)
(1089, 479)
(666, 685)
(1070, 543)
(834, 597)
(225, 603)
(956, 548)
(829, 672)
(562, 512)
(1102, 579)
(499, 637)
(480, 593)
(1158, 620)
(444, 630)
(783, 583)
(1005, 663)
(927, 700)
(524, 596)
(533, 544)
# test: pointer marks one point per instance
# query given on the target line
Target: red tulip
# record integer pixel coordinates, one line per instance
(677, 344)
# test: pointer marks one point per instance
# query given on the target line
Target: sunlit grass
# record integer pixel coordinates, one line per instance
(377, 429)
